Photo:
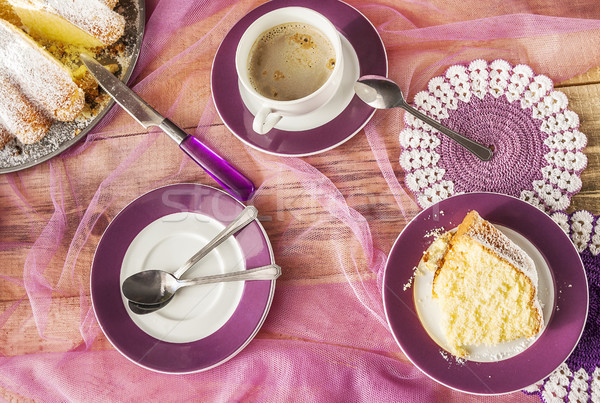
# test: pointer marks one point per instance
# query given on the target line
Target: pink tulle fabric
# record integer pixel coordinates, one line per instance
(326, 337)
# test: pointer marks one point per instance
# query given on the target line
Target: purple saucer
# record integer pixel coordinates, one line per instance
(112, 315)
(369, 48)
(568, 316)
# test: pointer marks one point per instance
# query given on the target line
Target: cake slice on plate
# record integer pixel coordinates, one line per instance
(486, 288)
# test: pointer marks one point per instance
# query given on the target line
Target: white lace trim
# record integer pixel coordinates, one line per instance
(595, 385)
(555, 388)
(536, 93)
(564, 386)
(582, 230)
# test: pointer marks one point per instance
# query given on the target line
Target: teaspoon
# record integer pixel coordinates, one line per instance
(382, 93)
(157, 286)
(248, 215)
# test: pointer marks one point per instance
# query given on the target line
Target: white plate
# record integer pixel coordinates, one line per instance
(194, 312)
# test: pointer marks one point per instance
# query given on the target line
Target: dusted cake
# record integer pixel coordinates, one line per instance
(42, 79)
(87, 23)
(19, 116)
(485, 285)
(40, 75)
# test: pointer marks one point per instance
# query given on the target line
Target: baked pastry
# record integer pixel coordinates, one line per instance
(87, 23)
(19, 117)
(486, 287)
(110, 3)
(5, 136)
(44, 81)
(40, 75)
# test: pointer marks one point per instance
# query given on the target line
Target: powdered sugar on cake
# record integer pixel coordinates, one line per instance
(92, 16)
(17, 155)
(41, 78)
(494, 240)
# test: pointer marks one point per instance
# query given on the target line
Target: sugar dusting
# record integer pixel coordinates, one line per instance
(92, 16)
(20, 117)
(61, 135)
(39, 76)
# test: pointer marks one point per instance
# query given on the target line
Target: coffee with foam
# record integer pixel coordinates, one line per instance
(290, 61)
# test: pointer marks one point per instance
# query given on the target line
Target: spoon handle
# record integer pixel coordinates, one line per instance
(269, 272)
(480, 151)
(246, 217)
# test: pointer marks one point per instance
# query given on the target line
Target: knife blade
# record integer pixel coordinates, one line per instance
(216, 166)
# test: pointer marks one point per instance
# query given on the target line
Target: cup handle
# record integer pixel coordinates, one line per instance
(265, 120)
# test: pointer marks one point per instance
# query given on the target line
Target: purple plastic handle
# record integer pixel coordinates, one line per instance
(222, 171)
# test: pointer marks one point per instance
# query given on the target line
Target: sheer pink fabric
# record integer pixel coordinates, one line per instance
(326, 336)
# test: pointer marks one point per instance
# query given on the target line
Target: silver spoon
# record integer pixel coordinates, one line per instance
(157, 286)
(248, 215)
(382, 93)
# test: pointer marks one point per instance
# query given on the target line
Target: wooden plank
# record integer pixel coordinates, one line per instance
(585, 101)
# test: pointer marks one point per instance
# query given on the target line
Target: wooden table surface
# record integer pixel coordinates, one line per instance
(583, 92)
(351, 167)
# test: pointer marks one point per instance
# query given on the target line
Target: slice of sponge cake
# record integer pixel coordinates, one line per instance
(486, 287)
(87, 23)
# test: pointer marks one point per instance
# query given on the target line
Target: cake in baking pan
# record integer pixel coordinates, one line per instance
(485, 285)
(5, 136)
(20, 117)
(40, 72)
(42, 79)
(87, 23)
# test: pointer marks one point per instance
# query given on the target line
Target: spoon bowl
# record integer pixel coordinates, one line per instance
(383, 93)
(378, 92)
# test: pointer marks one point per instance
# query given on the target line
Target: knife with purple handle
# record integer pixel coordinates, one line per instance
(216, 166)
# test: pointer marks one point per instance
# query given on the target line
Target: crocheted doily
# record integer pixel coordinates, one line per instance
(536, 141)
(578, 379)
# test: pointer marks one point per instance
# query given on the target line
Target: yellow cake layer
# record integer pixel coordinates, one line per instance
(86, 23)
(484, 293)
(43, 80)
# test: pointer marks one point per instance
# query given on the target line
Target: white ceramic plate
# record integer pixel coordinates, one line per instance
(194, 312)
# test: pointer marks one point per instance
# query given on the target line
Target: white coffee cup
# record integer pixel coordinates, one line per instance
(271, 111)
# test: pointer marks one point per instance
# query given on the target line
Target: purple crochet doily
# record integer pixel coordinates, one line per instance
(578, 379)
(537, 145)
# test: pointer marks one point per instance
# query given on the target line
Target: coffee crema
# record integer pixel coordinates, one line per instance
(290, 61)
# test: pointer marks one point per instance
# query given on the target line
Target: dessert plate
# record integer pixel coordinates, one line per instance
(318, 131)
(566, 288)
(61, 136)
(206, 325)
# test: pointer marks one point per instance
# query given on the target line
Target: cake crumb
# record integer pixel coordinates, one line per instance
(451, 358)
(435, 233)
(411, 279)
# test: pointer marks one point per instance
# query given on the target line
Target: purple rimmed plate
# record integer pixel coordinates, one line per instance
(370, 51)
(113, 316)
(566, 321)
